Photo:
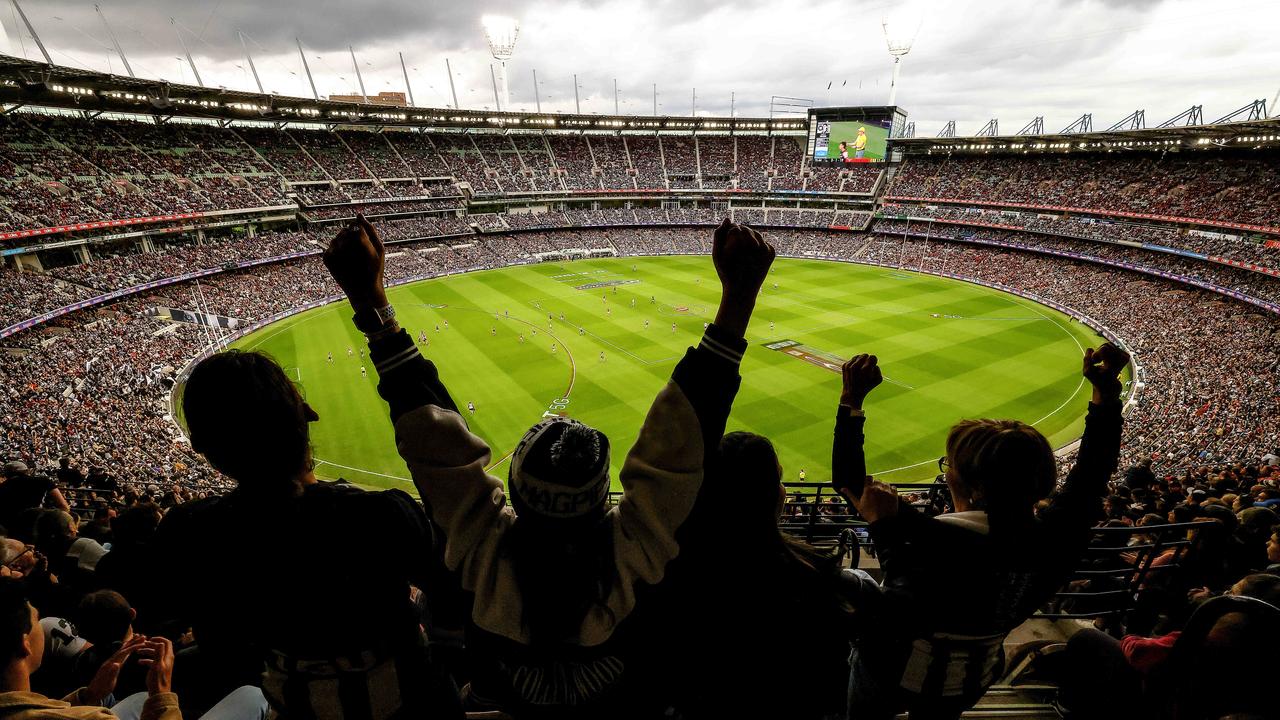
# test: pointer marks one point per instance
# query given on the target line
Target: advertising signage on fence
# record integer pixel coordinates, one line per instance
(96, 225)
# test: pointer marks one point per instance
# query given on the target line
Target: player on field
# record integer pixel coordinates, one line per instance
(422, 336)
(446, 324)
(348, 351)
(471, 407)
(646, 324)
(553, 348)
(582, 331)
(437, 327)
(363, 372)
(770, 326)
(673, 327)
(493, 330)
(521, 337)
(601, 356)
(330, 358)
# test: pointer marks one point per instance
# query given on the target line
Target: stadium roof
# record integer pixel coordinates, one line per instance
(1243, 134)
(29, 83)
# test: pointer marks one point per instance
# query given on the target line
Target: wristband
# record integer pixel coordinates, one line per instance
(372, 320)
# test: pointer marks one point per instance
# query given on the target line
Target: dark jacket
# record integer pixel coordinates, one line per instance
(286, 593)
(952, 588)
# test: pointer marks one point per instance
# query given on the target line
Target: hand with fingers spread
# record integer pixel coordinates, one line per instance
(156, 654)
(861, 375)
(1102, 368)
(876, 502)
(355, 259)
(742, 259)
(104, 681)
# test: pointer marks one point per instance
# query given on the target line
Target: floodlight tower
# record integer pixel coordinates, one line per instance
(501, 33)
(899, 46)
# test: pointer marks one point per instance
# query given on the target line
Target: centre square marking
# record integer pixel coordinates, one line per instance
(821, 358)
(813, 356)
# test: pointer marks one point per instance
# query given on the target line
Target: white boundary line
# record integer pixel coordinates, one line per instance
(335, 304)
(361, 470)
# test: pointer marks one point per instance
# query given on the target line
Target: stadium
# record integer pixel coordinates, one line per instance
(561, 270)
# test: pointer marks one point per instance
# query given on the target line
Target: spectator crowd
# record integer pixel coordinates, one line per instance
(497, 597)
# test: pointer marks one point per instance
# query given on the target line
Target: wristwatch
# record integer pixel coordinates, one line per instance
(372, 320)
(852, 411)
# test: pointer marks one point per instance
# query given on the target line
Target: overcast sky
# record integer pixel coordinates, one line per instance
(971, 60)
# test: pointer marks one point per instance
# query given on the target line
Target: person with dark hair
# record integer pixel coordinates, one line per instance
(737, 652)
(1103, 677)
(68, 476)
(555, 572)
(22, 645)
(272, 597)
(125, 569)
(22, 491)
(72, 558)
(931, 638)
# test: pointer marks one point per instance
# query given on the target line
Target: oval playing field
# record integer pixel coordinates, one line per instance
(949, 350)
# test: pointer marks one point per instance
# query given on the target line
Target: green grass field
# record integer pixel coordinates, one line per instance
(949, 350)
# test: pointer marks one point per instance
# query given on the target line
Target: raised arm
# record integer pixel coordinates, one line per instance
(445, 459)
(860, 375)
(678, 443)
(1078, 501)
(356, 260)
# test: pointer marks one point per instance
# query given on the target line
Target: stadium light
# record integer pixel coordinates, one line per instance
(899, 42)
(501, 33)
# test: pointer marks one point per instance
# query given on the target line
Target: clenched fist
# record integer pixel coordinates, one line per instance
(742, 259)
(356, 259)
(861, 375)
(1102, 368)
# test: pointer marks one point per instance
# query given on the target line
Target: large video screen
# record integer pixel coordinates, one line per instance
(851, 141)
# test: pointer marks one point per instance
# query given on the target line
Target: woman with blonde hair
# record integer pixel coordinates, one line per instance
(955, 585)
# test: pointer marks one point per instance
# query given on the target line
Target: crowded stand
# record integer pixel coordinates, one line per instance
(1257, 285)
(1161, 355)
(716, 156)
(754, 162)
(572, 155)
(1254, 250)
(376, 153)
(92, 389)
(646, 158)
(419, 153)
(348, 211)
(1226, 186)
(103, 170)
(121, 534)
(609, 153)
(134, 267)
